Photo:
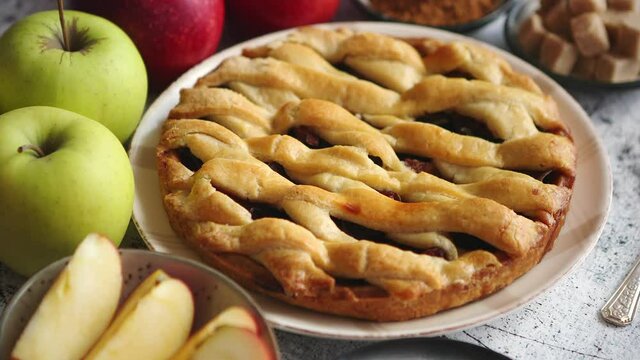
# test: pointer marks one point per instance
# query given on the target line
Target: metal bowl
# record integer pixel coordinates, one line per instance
(212, 293)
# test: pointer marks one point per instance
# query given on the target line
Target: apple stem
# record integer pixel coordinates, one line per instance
(65, 36)
(35, 148)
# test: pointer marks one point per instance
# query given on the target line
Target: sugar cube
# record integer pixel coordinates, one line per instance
(585, 67)
(578, 7)
(611, 68)
(557, 54)
(556, 19)
(630, 5)
(628, 42)
(545, 5)
(589, 34)
(531, 33)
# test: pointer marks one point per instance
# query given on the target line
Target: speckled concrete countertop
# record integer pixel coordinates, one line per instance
(562, 323)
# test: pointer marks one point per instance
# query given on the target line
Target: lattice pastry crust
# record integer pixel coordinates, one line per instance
(367, 176)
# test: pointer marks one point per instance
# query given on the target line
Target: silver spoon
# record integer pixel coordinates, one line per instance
(621, 307)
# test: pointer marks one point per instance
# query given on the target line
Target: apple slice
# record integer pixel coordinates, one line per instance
(234, 316)
(77, 308)
(152, 324)
(232, 343)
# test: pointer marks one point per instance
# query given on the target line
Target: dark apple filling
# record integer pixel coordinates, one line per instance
(279, 169)
(307, 136)
(556, 131)
(459, 124)
(345, 69)
(376, 160)
(390, 194)
(419, 164)
(459, 74)
(351, 282)
(547, 177)
(434, 251)
(360, 232)
(187, 159)
(260, 210)
(466, 242)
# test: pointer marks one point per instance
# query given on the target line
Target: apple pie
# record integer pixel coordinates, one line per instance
(367, 176)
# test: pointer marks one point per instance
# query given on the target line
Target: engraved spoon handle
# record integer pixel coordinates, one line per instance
(621, 307)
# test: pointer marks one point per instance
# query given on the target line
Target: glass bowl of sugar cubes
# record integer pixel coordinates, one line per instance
(579, 42)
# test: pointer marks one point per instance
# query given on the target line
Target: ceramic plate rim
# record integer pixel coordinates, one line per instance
(341, 328)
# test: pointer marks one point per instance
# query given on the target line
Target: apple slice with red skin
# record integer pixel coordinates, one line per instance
(232, 343)
(153, 323)
(235, 316)
(78, 307)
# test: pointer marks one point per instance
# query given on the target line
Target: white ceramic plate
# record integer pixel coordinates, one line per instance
(584, 223)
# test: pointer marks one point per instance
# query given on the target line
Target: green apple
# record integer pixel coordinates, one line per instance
(62, 176)
(102, 77)
(78, 307)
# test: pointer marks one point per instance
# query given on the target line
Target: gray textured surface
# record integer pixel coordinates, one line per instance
(562, 323)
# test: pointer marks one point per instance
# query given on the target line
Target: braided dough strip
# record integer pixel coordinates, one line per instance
(441, 58)
(480, 63)
(507, 188)
(297, 259)
(270, 72)
(542, 151)
(197, 103)
(384, 60)
(431, 95)
(354, 94)
(331, 122)
(517, 191)
(495, 224)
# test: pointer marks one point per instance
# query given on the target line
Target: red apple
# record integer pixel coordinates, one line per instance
(172, 36)
(261, 16)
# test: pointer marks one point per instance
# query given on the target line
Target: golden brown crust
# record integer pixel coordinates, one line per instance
(371, 304)
(367, 302)
(216, 165)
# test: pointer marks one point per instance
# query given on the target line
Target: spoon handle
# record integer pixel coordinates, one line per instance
(621, 307)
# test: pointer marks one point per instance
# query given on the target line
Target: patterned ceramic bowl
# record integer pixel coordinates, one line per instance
(212, 293)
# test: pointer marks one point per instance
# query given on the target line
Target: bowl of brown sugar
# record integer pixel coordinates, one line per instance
(453, 15)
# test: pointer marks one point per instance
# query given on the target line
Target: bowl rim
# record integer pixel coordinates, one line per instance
(510, 29)
(61, 263)
(465, 27)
